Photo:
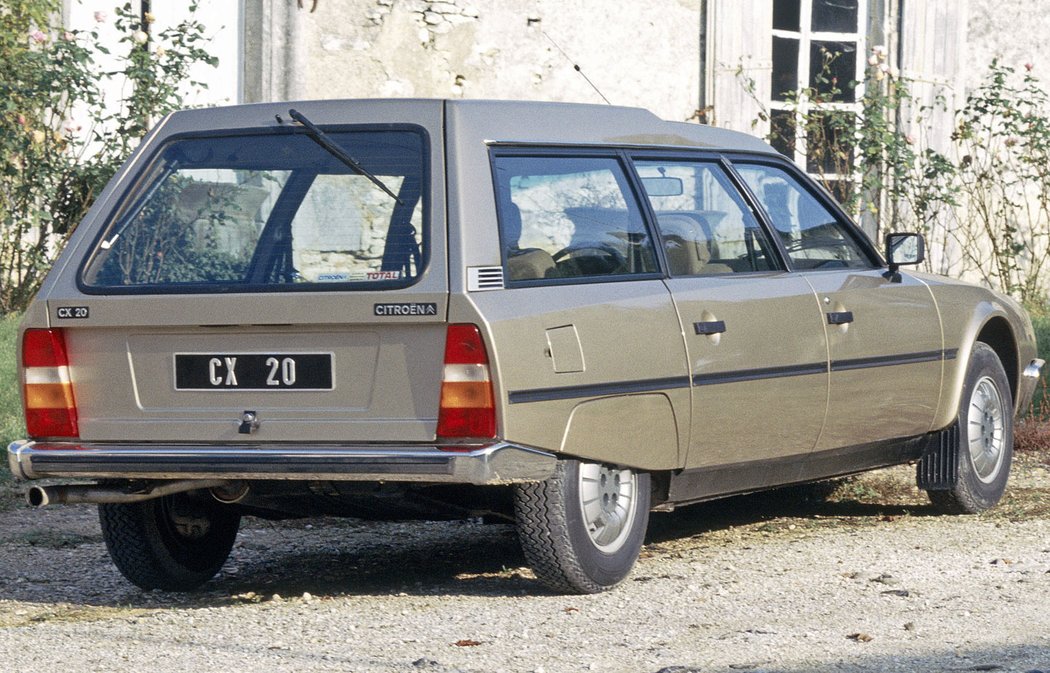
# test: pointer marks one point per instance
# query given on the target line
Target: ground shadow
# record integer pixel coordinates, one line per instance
(765, 506)
(333, 557)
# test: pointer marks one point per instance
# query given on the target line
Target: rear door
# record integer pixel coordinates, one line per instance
(757, 350)
(588, 347)
(256, 271)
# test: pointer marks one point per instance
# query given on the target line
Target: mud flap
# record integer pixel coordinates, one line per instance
(938, 469)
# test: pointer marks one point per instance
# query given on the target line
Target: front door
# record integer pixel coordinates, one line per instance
(883, 331)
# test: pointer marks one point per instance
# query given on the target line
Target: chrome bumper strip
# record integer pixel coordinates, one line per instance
(1026, 386)
(498, 463)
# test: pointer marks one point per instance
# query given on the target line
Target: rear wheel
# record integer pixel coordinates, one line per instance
(581, 529)
(986, 438)
(174, 543)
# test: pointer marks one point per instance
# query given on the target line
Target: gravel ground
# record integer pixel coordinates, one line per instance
(870, 581)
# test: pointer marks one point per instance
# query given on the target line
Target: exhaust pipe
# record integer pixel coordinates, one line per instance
(73, 494)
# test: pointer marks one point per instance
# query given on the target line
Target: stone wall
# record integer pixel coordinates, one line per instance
(637, 54)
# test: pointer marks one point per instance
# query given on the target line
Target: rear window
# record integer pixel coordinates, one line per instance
(270, 212)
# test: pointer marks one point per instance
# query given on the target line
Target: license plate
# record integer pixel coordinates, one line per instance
(253, 371)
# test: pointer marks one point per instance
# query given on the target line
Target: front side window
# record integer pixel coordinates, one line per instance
(569, 217)
(270, 211)
(705, 226)
(811, 233)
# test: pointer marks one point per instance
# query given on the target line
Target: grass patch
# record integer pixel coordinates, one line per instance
(11, 423)
(29, 614)
(1032, 432)
(51, 539)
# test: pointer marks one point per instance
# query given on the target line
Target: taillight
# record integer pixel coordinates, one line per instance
(50, 408)
(468, 408)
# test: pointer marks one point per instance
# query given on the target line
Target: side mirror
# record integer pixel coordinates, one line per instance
(904, 249)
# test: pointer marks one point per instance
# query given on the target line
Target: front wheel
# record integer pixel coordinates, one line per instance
(581, 529)
(986, 438)
(174, 543)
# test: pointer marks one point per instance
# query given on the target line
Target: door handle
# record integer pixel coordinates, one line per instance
(709, 327)
(840, 317)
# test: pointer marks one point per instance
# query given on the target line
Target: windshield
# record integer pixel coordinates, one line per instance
(238, 213)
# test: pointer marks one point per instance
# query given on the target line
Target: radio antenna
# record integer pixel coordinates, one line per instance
(576, 67)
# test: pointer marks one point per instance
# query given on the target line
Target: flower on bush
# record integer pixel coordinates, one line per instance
(38, 36)
(140, 36)
(100, 17)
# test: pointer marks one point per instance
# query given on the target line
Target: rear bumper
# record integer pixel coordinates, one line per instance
(497, 463)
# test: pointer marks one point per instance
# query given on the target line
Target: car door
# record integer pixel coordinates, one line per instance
(756, 347)
(586, 342)
(883, 331)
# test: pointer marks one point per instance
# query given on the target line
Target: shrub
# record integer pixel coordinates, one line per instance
(60, 143)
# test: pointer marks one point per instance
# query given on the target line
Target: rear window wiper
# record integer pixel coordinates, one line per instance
(319, 137)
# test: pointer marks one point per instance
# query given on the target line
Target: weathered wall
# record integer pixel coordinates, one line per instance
(637, 54)
(1015, 31)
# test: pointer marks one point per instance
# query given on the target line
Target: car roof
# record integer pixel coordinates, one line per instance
(491, 121)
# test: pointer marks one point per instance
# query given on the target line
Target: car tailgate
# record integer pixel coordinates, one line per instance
(311, 368)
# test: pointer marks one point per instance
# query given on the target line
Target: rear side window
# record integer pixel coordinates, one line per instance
(705, 226)
(273, 211)
(812, 235)
(569, 217)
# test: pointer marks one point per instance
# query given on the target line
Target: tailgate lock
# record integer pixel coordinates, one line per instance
(249, 423)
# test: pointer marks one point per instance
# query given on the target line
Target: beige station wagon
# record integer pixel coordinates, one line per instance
(560, 315)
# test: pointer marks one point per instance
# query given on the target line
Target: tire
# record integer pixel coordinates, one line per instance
(986, 437)
(566, 542)
(174, 543)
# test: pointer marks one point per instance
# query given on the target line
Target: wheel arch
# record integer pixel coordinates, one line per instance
(993, 328)
(998, 334)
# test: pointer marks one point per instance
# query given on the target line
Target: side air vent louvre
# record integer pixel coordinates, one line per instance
(480, 278)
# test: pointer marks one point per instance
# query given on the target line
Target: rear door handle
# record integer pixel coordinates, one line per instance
(840, 317)
(710, 327)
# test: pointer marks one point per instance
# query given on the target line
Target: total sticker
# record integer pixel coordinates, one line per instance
(383, 275)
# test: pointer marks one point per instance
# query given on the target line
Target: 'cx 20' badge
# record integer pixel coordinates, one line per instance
(71, 312)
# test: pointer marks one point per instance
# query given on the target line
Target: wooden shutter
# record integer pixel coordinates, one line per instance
(933, 41)
(739, 46)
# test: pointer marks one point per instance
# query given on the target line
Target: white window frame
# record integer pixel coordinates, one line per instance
(806, 36)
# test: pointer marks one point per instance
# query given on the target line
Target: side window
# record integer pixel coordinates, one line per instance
(569, 217)
(705, 226)
(813, 236)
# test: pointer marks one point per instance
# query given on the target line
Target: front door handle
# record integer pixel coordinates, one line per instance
(709, 327)
(840, 317)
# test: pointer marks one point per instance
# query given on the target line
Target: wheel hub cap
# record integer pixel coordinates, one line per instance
(985, 430)
(607, 501)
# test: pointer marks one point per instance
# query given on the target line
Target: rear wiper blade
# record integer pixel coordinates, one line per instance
(319, 137)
